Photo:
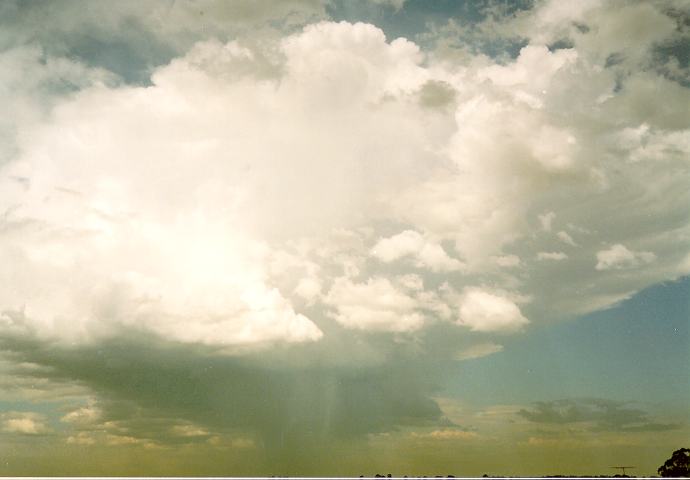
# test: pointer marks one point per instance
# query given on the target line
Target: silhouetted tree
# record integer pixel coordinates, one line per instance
(676, 466)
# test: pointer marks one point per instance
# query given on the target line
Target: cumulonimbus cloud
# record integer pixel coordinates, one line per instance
(165, 212)
(334, 193)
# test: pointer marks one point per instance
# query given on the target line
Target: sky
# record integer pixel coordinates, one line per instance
(339, 237)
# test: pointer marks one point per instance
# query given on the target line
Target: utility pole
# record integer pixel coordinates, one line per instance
(623, 468)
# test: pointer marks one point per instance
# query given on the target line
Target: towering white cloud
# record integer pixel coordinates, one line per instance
(166, 208)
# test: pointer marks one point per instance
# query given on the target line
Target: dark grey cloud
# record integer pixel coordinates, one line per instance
(436, 94)
(113, 39)
(605, 415)
(146, 386)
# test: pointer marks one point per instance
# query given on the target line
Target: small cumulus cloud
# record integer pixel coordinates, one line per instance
(411, 282)
(446, 434)
(619, 257)
(24, 423)
(83, 416)
(546, 219)
(478, 351)
(82, 438)
(566, 238)
(483, 311)
(507, 261)
(375, 305)
(557, 256)
(188, 431)
(424, 253)
(126, 440)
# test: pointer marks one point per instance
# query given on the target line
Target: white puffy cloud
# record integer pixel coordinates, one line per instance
(376, 305)
(185, 281)
(83, 416)
(597, 29)
(367, 67)
(33, 82)
(403, 244)
(529, 77)
(410, 243)
(618, 256)
(82, 438)
(25, 423)
(483, 311)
